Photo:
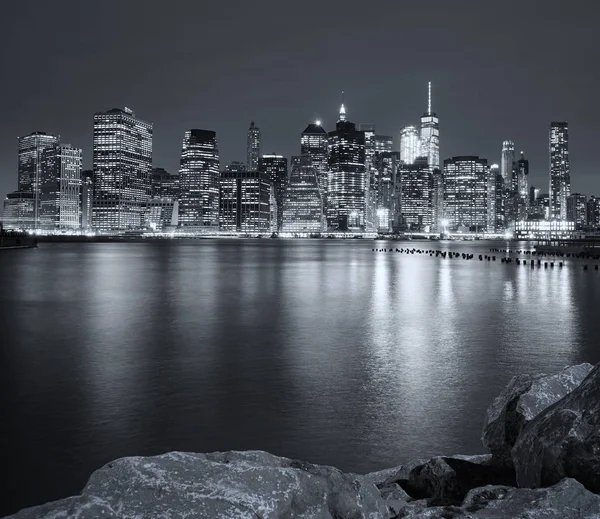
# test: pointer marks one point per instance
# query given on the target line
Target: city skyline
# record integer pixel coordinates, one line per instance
(477, 112)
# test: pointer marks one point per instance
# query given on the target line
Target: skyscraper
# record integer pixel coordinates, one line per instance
(60, 188)
(303, 206)
(560, 174)
(244, 201)
(430, 135)
(577, 210)
(387, 164)
(276, 167)
(252, 147)
(495, 200)
(31, 149)
(465, 192)
(122, 162)
(87, 196)
(346, 181)
(522, 188)
(593, 213)
(199, 181)
(313, 143)
(507, 163)
(416, 205)
(410, 145)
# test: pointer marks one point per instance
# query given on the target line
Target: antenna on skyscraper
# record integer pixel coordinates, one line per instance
(429, 100)
(342, 109)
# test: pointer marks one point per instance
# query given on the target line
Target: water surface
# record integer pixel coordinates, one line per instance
(314, 349)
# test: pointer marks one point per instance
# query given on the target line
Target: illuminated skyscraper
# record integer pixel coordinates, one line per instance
(60, 188)
(507, 163)
(314, 144)
(430, 135)
(162, 211)
(31, 149)
(522, 187)
(560, 174)
(465, 192)
(593, 213)
(244, 201)
(87, 197)
(347, 180)
(276, 167)
(303, 206)
(199, 181)
(495, 200)
(410, 145)
(252, 147)
(387, 164)
(577, 210)
(122, 162)
(416, 207)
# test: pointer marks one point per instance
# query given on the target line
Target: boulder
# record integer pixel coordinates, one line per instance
(525, 397)
(566, 500)
(447, 480)
(563, 441)
(250, 485)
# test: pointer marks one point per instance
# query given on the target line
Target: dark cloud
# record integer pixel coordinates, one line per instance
(501, 70)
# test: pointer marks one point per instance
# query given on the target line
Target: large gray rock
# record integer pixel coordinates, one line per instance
(566, 500)
(248, 485)
(525, 397)
(563, 441)
(447, 480)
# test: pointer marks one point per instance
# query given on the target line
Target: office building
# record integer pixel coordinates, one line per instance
(31, 149)
(87, 198)
(276, 167)
(437, 199)
(495, 200)
(244, 201)
(593, 213)
(507, 162)
(560, 174)
(252, 147)
(313, 143)
(347, 179)
(416, 204)
(199, 181)
(303, 205)
(465, 193)
(577, 210)
(410, 144)
(430, 135)
(521, 197)
(60, 188)
(122, 161)
(19, 211)
(164, 184)
(387, 164)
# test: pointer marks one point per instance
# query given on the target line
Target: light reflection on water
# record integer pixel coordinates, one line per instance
(321, 350)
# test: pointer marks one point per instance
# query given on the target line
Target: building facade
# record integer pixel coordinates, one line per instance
(495, 200)
(416, 190)
(31, 150)
(577, 210)
(465, 193)
(252, 147)
(19, 211)
(313, 143)
(593, 213)
(410, 144)
(199, 181)
(60, 188)
(560, 173)
(347, 179)
(430, 135)
(276, 168)
(87, 198)
(303, 206)
(122, 161)
(244, 201)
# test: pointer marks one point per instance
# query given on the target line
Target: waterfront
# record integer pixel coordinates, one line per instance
(315, 349)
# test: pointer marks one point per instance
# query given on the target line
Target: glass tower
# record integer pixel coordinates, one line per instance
(303, 206)
(430, 135)
(313, 143)
(252, 147)
(122, 162)
(560, 174)
(276, 167)
(199, 181)
(416, 207)
(410, 145)
(60, 188)
(31, 149)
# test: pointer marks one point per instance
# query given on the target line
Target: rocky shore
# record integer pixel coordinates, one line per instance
(542, 433)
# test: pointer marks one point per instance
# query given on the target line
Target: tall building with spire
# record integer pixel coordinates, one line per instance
(252, 147)
(410, 145)
(560, 172)
(346, 180)
(430, 135)
(507, 163)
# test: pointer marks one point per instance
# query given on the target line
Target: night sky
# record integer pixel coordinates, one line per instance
(500, 70)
